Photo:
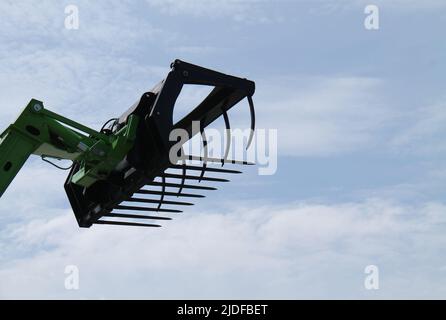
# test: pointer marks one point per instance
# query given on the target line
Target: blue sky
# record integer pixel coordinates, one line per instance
(360, 117)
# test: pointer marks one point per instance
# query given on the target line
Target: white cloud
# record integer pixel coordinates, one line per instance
(298, 250)
(330, 6)
(323, 115)
(200, 7)
(37, 191)
(329, 115)
(74, 85)
(423, 132)
(245, 11)
(67, 69)
(409, 4)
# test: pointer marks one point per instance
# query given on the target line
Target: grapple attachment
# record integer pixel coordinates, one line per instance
(146, 179)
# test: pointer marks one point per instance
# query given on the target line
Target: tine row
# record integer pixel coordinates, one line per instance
(134, 216)
(188, 177)
(134, 224)
(195, 168)
(177, 185)
(136, 208)
(175, 203)
(167, 193)
(216, 160)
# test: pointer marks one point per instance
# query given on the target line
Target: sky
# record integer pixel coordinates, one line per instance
(360, 116)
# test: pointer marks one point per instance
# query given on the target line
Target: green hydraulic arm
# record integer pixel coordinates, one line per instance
(44, 133)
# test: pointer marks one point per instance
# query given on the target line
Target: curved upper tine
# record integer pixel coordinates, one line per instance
(163, 190)
(228, 137)
(253, 120)
(205, 150)
(183, 180)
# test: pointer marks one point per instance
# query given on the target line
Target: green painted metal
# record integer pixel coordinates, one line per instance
(15, 148)
(108, 156)
(42, 132)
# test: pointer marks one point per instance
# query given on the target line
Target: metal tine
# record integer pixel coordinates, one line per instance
(177, 185)
(162, 192)
(210, 169)
(199, 158)
(184, 170)
(134, 216)
(134, 208)
(133, 224)
(228, 137)
(253, 120)
(175, 203)
(173, 194)
(187, 177)
(205, 151)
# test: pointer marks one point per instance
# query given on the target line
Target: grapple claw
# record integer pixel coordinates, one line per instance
(253, 120)
(184, 171)
(150, 145)
(228, 137)
(205, 151)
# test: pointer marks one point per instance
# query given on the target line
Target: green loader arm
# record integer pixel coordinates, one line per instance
(41, 132)
(15, 149)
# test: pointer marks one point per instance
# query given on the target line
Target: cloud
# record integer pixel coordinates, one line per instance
(266, 11)
(300, 250)
(67, 69)
(199, 7)
(196, 50)
(37, 191)
(74, 85)
(320, 116)
(327, 6)
(423, 131)
(403, 5)
(332, 115)
(247, 11)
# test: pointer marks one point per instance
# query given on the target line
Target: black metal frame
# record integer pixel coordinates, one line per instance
(149, 157)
